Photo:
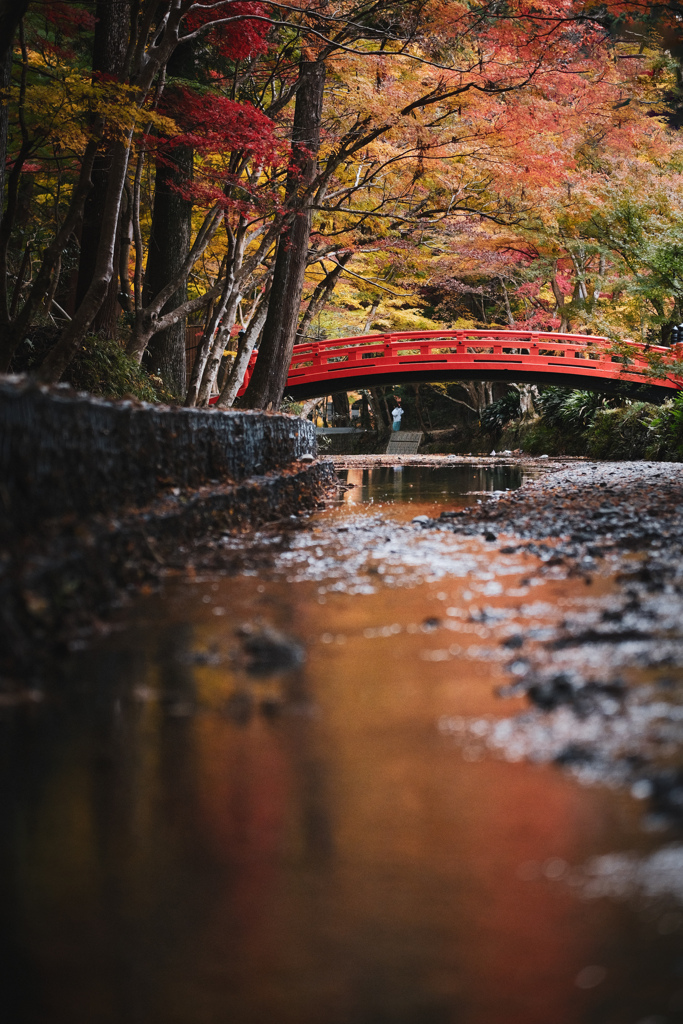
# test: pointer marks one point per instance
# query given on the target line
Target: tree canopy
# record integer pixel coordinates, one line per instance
(265, 171)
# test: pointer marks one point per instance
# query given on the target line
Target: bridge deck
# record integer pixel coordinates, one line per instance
(575, 360)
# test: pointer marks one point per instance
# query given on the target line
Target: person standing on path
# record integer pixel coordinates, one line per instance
(396, 414)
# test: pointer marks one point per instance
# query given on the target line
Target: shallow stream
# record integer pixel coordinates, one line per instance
(252, 803)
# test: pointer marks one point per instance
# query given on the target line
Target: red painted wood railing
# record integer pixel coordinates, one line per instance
(356, 360)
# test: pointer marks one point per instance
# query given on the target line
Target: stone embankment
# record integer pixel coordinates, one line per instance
(97, 497)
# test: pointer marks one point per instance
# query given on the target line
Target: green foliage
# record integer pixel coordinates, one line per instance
(647, 237)
(291, 407)
(667, 428)
(572, 424)
(543, 438)
(583, 422)
(101, 368)
(496, 415)
(625, 433)
(575, 422)
(573, 409)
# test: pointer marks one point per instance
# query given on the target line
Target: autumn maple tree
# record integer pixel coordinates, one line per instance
(243, 166)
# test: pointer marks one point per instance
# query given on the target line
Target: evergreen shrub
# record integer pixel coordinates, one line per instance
(625, 433)
(101, 368)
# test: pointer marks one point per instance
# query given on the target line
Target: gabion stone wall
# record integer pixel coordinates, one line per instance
(64, 453)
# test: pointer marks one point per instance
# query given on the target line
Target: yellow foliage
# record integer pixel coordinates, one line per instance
(62, 108)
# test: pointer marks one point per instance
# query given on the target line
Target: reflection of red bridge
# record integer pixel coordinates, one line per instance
(572, 360)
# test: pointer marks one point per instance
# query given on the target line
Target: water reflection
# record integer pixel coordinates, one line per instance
(414, 484)
(324, 856)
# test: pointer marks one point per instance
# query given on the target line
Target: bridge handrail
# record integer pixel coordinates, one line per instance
(488, 350)
(318, 348)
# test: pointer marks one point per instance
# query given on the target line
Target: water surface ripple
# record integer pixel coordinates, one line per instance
(294, 794)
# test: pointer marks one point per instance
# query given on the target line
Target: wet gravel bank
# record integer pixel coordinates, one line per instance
(605, 686)
(543, 462)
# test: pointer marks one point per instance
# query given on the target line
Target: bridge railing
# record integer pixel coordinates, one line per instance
(541, 351)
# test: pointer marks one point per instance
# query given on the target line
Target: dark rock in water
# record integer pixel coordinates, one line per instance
(604, 698)
(269, 652)
(597, 636)
(519, 667)
(667, 794)
(514, 641)
(489, 535)
(430, 624)
(552, 693)
(583, 698)
(270, 707)
(210, 657)
(575, 755)
(240, 707)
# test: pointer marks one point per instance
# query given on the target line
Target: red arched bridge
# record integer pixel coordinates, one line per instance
(572, 360)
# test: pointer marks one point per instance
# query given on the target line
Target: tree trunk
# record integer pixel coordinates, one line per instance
(105, 322)
(109, 52)
(214, 361)
(245, 347)
(12, 334)
(342, 410)
(59, 357)
(5, 83)
(371, 316)
(506, 300)
(527, 393)
(150, 320)
(364, 411)
(125, 295)
(480, 394)
(224, 316)
(209, 334)
(11, 13)
(419, 410)
(559, 305)
(268, 381)
(169, 244)
(380, 409)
